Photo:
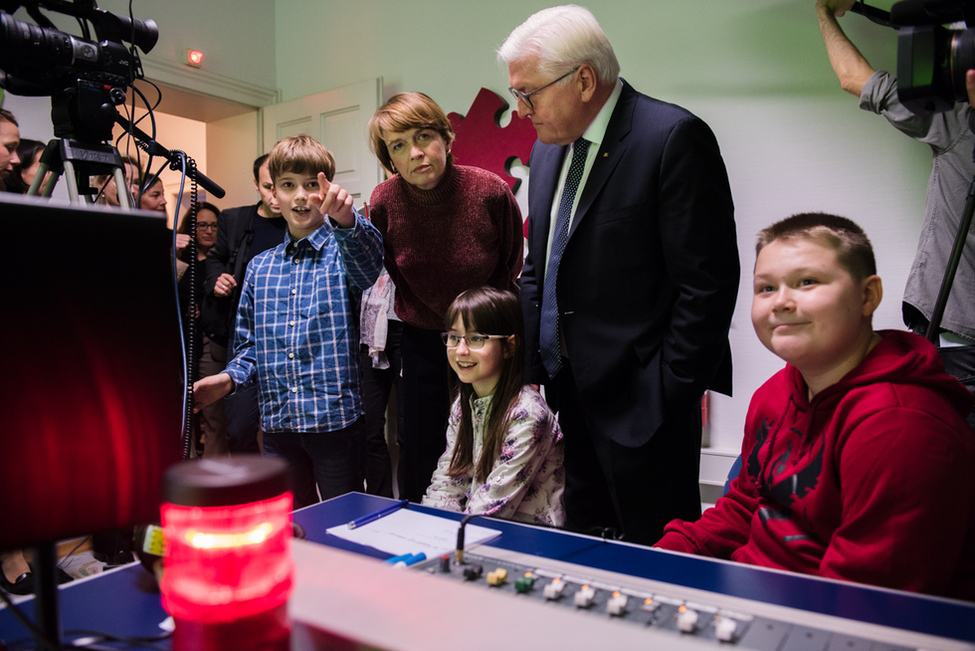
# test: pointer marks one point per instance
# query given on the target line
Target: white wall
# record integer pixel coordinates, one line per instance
(233, 144)
(755, 70)
(236, 36)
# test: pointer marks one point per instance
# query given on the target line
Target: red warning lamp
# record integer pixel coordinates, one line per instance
(228, 569)
(194, 58)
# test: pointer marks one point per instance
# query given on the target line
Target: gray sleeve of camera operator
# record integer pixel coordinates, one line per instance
(941, 131)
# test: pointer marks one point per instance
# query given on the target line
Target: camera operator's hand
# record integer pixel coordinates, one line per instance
(852, 70)
(835, 7)
(970, 86)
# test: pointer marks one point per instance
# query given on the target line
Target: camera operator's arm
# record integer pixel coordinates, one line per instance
(851, 68)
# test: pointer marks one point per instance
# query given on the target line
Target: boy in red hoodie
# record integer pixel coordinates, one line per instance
(857, 462)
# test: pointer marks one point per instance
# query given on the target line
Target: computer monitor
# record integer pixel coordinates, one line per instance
(92, 364)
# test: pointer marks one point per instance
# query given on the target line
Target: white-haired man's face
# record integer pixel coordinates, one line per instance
(556, 111)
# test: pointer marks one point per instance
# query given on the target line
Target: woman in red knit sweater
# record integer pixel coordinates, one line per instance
(446, 228)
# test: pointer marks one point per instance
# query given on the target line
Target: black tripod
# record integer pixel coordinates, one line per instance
(961, 237)
(78, 162)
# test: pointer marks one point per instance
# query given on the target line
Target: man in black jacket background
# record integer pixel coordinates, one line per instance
(242, 233)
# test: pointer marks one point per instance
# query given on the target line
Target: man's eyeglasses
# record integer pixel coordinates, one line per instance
(473, 341)
(526, 97)
(203, 226)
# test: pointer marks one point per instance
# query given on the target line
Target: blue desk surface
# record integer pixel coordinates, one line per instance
(126, 602)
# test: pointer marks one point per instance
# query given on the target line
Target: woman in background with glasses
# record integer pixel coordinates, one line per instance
(211, 421)
(446, 228)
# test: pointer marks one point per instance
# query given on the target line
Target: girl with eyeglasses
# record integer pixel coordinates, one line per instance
(504, 445)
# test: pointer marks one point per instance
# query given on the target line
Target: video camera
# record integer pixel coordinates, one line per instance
(931, 59)
(85, 78)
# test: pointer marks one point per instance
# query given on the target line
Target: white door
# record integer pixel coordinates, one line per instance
(338, 119)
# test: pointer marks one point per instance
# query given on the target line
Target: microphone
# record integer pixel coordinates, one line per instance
(154, 148)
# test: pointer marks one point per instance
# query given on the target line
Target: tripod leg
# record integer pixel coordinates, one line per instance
(36, 189)
(48, 189)
(122, 190)
(35, 185)
(72, 187)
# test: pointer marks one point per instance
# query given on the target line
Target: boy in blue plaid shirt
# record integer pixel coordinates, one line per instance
(297, 327)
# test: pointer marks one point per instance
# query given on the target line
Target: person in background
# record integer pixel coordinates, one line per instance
(9, 140)
(23, 172)
(504, 446)
(952, 144)
(298, 329)
(856, 458)
(445, 228)
(631, 276)
(380, 336)
(242, 234)
(153, 196)
(211, 421)
(104, 184)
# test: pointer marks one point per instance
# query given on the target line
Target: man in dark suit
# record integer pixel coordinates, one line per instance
(630, 281)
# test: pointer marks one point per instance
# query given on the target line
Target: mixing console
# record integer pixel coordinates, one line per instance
(662, 609)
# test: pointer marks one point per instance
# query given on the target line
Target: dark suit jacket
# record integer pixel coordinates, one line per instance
(228, 255)
(649, 277)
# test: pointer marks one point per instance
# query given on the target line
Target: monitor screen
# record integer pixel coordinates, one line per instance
(92, 364)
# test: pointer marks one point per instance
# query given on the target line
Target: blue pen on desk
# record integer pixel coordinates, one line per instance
(372, 517)
(405, 560)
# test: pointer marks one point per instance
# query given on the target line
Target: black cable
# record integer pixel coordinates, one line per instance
(131, 642)
(39, 636)
(150, 113)
(459, 554)
(94, 641)
(878, 16)
(190, 328)
(74, 549)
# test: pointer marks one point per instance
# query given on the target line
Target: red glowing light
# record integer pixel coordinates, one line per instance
(206, 540)
(236, 557)
(194, 58)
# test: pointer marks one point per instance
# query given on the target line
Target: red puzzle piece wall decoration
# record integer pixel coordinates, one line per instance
(482, 142)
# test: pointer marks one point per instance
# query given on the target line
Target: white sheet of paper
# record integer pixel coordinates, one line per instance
(411, 532)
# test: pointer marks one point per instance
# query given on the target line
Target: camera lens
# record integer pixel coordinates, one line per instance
(962, 60)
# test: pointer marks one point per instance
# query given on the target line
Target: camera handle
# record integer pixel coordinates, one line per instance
(934, 325)
(78, 162)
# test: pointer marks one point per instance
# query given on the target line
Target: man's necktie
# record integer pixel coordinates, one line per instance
(549, 343)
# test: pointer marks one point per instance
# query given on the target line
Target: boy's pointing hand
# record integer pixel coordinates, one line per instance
(334, 201)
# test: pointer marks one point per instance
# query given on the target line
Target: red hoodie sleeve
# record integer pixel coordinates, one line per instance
(721, 529)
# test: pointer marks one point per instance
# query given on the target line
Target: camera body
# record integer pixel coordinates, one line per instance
(931, 59)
